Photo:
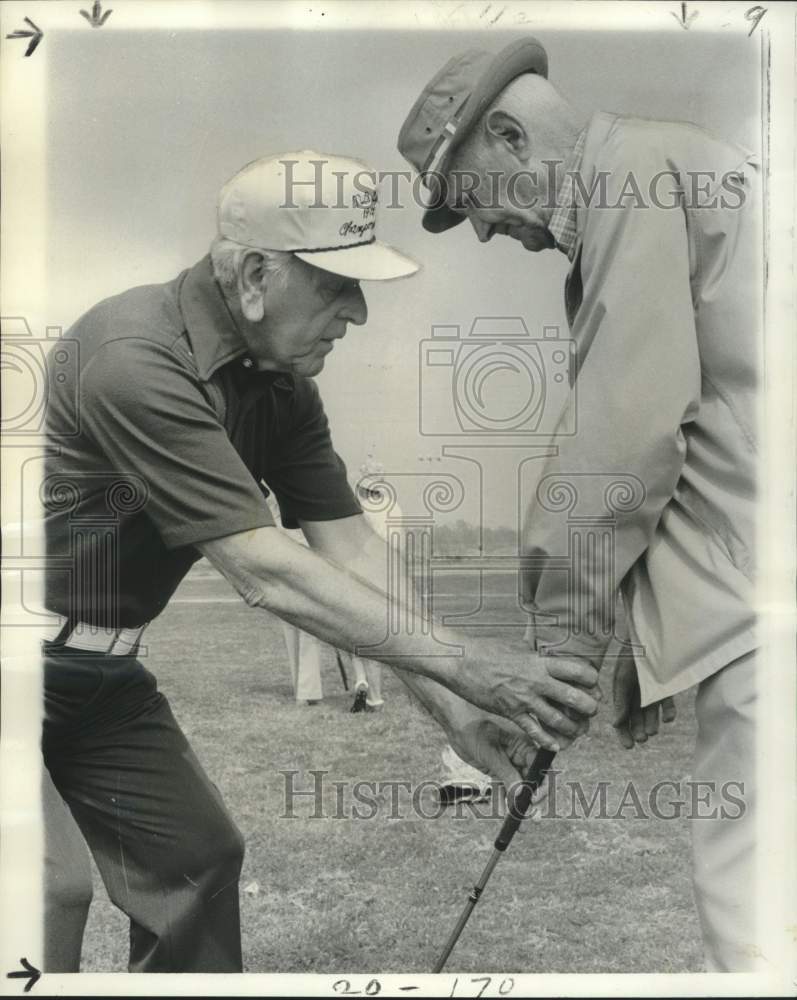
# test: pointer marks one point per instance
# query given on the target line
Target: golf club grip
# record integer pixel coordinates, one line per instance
(534, 777)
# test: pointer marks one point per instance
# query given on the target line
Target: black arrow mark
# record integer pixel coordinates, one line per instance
(96, 18)
(684, 21)
(35, 36)
(30, 972)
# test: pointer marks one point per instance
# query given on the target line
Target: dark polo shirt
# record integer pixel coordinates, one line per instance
(165, 437)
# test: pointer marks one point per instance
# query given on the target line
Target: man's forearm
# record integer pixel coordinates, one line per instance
(349, 612)
(313, 593)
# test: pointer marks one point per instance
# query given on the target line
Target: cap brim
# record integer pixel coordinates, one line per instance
(370, 262)
(438, 220)
(526, 55)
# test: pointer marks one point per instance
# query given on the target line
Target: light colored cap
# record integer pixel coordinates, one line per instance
(322, 208)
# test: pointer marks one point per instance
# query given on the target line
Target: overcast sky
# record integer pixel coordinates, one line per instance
(145, 126)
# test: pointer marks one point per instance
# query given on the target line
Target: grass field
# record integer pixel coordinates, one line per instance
(381, 894)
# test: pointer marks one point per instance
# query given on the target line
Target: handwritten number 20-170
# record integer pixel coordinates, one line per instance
(373, 986)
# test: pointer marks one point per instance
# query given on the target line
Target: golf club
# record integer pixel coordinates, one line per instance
(517, 810)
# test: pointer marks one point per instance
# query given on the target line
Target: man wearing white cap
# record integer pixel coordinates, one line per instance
(191, 395)
(659, 223)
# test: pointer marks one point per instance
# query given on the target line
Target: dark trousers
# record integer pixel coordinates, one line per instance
(168, 852)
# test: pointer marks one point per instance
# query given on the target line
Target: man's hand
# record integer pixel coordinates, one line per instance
(492, 745)
(633, 723)
(550, 698)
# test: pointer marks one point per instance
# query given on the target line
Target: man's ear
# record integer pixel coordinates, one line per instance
(504, 127)
(252, 286)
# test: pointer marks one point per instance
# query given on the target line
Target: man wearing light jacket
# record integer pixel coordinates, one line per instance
(659, 223)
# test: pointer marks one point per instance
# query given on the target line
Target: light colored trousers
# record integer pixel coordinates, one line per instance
(724, 855)
(307, 656)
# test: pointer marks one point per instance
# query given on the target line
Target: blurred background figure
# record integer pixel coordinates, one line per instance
(306, 654)
(368, 673)
(367, 683)
(305, 658)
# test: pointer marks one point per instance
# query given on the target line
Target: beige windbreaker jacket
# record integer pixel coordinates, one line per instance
(655, 492)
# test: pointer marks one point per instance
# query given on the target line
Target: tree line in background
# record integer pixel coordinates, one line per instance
(463, 539)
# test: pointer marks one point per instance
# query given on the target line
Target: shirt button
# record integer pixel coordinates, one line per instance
(247, 362)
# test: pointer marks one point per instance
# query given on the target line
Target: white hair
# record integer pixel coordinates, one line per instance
(227, 257)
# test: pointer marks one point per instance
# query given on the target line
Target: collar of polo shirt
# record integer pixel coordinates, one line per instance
(215, 337)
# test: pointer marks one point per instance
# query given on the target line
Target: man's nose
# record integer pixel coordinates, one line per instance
(484, 230)
(355, 309)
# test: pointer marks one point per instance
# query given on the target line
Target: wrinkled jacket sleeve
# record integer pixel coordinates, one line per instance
(638, 383)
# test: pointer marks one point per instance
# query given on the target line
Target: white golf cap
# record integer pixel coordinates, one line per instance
(320, 207)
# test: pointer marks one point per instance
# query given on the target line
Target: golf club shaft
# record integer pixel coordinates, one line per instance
(518, 809)
(473, 899)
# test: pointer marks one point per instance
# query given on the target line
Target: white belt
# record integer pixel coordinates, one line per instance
(95, 639)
